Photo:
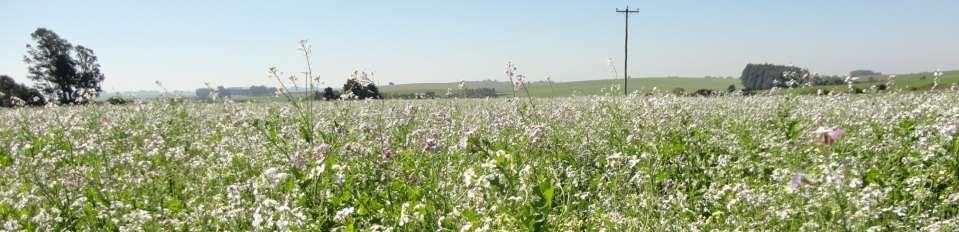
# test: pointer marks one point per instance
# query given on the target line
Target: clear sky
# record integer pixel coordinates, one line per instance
(186, 43)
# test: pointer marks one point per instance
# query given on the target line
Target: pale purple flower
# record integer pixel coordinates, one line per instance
(796, 181)
(319, 152)
(535, 133)
(519, 82)
(949, 130)
(430, 145)
(828, 136)
(464, 140)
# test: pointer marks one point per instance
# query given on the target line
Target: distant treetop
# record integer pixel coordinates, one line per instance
(863, 73)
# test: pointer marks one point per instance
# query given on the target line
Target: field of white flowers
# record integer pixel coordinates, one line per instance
(887, 162)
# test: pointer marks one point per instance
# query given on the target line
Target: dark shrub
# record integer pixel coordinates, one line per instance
(329, 95)
(10, 89)
(678, 91)
(117, 101)
(703, 93)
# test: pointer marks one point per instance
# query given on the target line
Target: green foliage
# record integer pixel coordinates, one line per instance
(767, 76)
(328, 95)
(70, 74)
(475, 93)
(13, 94)
(117, 100)
(704, 93)
(361, 91)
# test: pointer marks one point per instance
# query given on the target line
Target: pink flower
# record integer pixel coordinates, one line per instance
(829, 136)
(798, 181)
(319, 152)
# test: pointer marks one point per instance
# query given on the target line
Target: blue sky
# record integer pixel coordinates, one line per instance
(186, 43)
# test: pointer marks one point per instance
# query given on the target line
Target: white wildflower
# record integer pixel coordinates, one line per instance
(343, 214)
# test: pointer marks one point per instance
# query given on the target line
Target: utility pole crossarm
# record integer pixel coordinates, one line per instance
(626, 12)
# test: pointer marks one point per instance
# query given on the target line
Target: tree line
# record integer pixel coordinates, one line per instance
(767, 76)
(220, 92)
(460, 93)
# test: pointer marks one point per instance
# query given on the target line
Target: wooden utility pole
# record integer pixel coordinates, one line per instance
(626, 48)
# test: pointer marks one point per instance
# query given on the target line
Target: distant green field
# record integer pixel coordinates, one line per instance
(644, 85)
(591, 87)
(917, 81)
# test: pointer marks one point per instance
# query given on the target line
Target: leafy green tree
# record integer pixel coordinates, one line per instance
(767, 76)
(353, 86)
(360, 91)
(372, 91)
(329, 94)
(69, 74)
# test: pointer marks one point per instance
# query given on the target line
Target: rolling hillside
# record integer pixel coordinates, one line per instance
(914, 82)
(917, 81)
(559, 89)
